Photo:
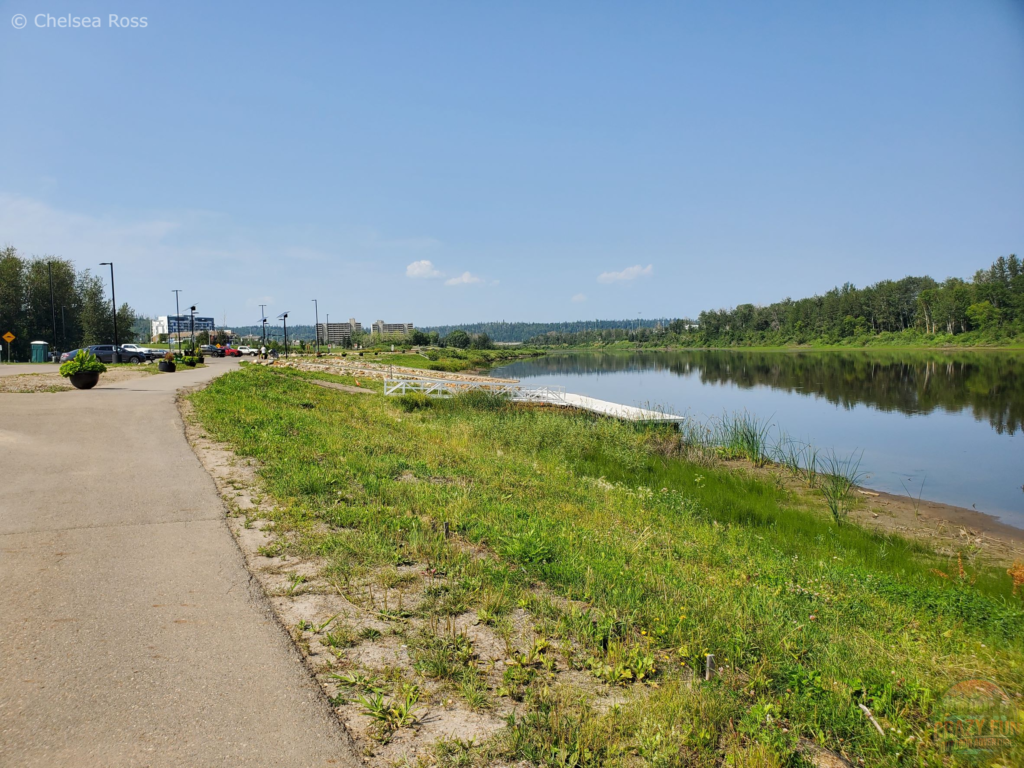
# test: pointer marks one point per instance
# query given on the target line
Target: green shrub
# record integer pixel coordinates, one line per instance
(83, 362)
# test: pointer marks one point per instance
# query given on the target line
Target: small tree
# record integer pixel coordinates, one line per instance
(458, 339)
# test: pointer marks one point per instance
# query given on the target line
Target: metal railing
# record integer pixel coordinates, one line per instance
(452, 387)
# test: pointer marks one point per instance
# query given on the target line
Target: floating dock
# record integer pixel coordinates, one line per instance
(520, 394)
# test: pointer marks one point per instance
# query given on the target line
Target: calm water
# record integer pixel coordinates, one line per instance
(950, 421)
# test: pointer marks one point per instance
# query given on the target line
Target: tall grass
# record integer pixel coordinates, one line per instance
(840, 474)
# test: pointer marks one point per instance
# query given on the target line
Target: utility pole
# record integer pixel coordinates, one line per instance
(327, 328)
(177, 321)
(192, 327)
(284, 319)
(263, 316)
(316, 308)
(113, 300)
(53, 308)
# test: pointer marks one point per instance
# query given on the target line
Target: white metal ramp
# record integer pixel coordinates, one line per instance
(516, 392)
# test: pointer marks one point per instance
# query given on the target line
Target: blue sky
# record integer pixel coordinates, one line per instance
(461, 161)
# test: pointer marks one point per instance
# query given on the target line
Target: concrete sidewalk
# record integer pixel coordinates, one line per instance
(130, 633)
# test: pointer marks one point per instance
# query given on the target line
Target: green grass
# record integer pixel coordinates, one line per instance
(667, 561)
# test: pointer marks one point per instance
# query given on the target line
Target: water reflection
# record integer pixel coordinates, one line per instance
(988, 384)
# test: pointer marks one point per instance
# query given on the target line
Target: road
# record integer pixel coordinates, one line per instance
(131, 634)
(17, 369)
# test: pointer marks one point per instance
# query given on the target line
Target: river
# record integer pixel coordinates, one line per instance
(943, 425)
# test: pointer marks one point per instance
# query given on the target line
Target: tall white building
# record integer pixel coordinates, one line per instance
(338, 333)
(392, 329)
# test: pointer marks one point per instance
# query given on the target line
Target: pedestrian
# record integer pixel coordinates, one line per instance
(263, 352)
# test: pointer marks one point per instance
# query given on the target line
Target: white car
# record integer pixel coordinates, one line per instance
(148, 353)
(248, 351)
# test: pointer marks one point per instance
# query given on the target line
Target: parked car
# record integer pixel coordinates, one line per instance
(248, 351)
(231, 352)
(105, 353)
(65, 356)
(151, 354)
(211, 351)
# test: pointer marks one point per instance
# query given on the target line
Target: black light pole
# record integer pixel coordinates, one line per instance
(113, 300)
(284, 319)
(192, 327)
(327, 329)
(316, 308)
(263, 315)
(177, 320)
(53, 308)
(63, 326)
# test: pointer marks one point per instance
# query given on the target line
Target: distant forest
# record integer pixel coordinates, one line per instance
(989, 308)
(512, 332)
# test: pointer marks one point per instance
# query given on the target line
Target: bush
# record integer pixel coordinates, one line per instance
(83, 362)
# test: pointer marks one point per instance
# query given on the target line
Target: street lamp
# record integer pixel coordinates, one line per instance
(192, 327)
(327, 333)
(177, 321)
(284, 318)
(53, 308)
(115, 357)
(316, 308)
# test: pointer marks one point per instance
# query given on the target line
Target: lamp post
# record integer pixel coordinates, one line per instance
(116, 358)
(327, 329)
(263, 315)
(192, 327)
(63, 326)
(53, 308)
(316, 308)
(177, 321)
(284, 319)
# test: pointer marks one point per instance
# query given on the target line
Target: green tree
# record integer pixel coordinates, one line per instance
(458, 339)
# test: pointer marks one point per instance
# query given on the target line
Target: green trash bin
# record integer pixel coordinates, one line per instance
(40, 352)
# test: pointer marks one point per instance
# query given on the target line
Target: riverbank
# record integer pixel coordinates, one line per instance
(561, 580)
(948, 529)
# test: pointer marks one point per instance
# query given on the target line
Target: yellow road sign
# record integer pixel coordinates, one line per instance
(9, 337)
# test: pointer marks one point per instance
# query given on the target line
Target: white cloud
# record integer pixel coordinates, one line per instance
(579, 298)
(421, 269)
(465, 278)
(629, 273)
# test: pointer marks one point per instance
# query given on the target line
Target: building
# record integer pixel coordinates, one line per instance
(172, 324)
(392, 329)
(339, 333)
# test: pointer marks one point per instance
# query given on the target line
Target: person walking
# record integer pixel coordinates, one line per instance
(263, 352)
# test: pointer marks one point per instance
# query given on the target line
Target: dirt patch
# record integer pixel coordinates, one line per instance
(28, 383)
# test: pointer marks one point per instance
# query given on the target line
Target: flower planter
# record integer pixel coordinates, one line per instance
(86, 380)
(190, 363)
(165, 367)
(201, 359)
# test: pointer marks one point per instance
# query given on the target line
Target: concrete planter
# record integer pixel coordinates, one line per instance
(86, 380)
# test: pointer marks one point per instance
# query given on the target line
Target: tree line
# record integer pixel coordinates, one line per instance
(79, 314)
(989, 308)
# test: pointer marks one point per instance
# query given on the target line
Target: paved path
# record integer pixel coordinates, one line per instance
(17, 369)
(130, 633)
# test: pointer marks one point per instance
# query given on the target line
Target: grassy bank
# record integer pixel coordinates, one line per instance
(634, 565)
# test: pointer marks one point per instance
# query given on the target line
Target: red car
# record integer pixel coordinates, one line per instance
(231, 352)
